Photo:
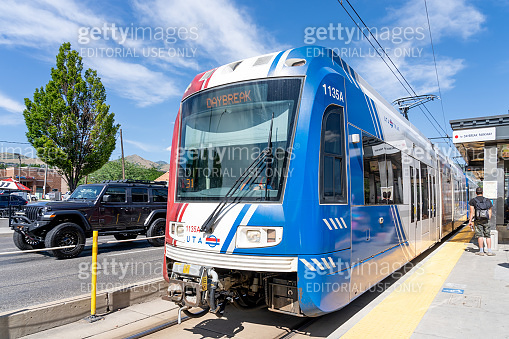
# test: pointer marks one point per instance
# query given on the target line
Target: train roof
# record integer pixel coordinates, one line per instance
(283, 63)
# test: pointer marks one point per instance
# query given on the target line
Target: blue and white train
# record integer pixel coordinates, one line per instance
(294, 184)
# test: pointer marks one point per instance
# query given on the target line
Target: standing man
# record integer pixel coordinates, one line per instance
(480, 208)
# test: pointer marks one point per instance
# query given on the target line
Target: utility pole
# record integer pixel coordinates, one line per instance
(19, 168)
(122, 148)
(45, 181)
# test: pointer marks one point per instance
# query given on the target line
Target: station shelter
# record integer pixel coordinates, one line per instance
(484, 145)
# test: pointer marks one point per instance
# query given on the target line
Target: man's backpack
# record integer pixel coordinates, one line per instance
(482, 209)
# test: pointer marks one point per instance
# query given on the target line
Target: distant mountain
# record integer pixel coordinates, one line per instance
(12, 158)
(136, 159)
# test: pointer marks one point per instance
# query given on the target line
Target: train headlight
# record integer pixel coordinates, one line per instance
(180, 230)
(253, 236)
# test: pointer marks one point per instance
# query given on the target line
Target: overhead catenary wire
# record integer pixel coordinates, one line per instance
(410, 89)
(435, 62)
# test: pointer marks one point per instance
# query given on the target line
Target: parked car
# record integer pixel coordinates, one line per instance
(124, 209)
(16, 203)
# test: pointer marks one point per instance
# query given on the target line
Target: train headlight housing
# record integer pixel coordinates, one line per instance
(253, 236)
(180, 230)
(177, 230)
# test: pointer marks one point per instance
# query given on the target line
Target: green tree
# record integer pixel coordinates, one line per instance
(68, 121)
(113, 171)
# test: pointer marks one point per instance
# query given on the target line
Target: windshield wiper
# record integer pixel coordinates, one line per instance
(245, 180)
(269, 160)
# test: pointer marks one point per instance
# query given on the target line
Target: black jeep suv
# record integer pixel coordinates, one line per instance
(124, 209)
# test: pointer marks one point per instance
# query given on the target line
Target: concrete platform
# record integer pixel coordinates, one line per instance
(450, 293)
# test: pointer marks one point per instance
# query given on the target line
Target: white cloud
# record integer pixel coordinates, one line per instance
(11, 120)
(14, 107)
(449, 19)
(46, 24)
(10, 105)
(143, 146)
(134, 81)
(225, 32)
(34, 25)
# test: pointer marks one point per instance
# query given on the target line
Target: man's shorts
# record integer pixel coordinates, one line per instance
(482, 230)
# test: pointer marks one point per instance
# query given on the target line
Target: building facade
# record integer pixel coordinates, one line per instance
(34, 178)
(484, 144)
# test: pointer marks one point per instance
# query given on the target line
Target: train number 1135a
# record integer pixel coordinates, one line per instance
(333, 92)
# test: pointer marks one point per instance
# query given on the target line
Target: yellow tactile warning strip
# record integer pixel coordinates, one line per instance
(398, 315)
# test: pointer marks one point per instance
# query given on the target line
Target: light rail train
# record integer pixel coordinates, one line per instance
(294, 184)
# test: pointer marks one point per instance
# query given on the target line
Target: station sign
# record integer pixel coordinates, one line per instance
(470, 135)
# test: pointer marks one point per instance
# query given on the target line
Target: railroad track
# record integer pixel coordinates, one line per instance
(299, 328)
(158, 328)
(289, 333)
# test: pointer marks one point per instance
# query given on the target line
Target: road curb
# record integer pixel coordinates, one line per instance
(22, 322)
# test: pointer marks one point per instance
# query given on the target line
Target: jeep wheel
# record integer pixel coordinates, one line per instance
(24, 243)
(158, 227)
(125, 236)
(66, 234)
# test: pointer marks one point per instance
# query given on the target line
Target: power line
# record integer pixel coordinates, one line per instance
(376, 50)
(381, 57)
(388, 57)
(14, 142)
(435, 61)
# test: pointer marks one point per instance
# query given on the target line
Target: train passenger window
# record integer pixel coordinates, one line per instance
(394, 174)
(412, 198)
(332, 161)
(383, 182)
(434, 198)
(425, 192)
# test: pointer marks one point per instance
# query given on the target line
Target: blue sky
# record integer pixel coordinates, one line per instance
(145, 76)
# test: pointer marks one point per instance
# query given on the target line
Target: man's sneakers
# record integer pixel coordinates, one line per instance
(489, 254)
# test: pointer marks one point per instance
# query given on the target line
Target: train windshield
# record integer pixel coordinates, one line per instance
(225, 130)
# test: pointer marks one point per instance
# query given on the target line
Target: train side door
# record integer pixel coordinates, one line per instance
(424, 209)
(414, 203)
(432, 205)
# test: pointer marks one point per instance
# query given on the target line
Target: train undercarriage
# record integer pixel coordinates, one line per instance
(198, 290)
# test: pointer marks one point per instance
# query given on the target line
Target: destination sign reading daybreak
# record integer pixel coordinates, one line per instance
(229, 99)
(230, 96)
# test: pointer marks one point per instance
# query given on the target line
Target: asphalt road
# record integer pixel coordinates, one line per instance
(28, 279)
